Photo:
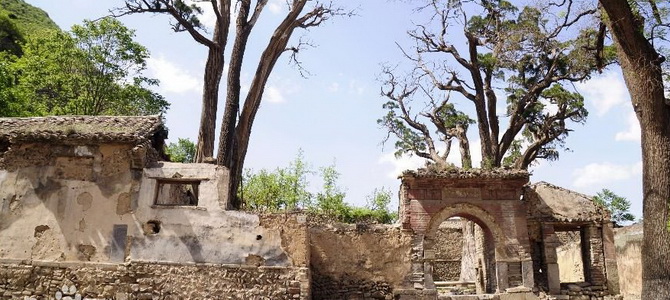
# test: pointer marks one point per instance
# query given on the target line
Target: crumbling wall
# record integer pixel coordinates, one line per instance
(59, 200)
(63, 203)
(151, 281)
(359, 261)
(628, 242)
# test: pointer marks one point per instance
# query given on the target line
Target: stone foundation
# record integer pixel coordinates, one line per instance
(140, 280)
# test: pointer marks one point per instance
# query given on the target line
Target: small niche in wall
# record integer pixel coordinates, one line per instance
(177, 192)
(152, 227)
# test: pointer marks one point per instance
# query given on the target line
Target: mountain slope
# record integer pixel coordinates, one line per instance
(28, 19)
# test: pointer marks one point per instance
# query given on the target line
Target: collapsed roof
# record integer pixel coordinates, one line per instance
(548, 202)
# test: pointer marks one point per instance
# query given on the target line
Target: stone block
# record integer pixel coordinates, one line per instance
(553, 279)
(503, 276)
(519, 296)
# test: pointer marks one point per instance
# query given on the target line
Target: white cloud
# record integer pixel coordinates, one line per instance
(604, 173)
(400, 164)
(274, 94)
(407, 162)
(604, 92)
(632, 133)
(276, 6)
(334, 87)
(277, 90)
(356, 87)
(172, 78)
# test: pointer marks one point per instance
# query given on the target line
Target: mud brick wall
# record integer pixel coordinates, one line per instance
(151, 281)
(358, 261)
(448, 251)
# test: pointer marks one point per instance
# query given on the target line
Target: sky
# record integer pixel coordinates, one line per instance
(331, 113)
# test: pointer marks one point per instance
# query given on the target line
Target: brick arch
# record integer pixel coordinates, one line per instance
(476, 214)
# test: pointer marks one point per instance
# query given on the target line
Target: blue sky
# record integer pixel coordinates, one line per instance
(332, 113)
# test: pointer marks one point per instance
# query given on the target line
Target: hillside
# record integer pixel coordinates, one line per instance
(28, 19)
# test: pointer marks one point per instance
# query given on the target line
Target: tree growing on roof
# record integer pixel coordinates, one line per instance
(235, 133)
(522, 58)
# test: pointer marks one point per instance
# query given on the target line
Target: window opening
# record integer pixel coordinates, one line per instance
(177, 192)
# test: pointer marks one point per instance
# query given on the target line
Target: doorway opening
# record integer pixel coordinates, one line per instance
(464, 258)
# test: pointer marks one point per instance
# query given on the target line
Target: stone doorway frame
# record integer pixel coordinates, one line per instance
(492, 234)
(490, 198)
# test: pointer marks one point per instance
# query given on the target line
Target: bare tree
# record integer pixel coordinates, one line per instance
(521, 53)
(642, 67)
(234, 134)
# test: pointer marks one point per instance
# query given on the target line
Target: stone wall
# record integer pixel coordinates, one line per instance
(151, 281)
(628, 242)
(359, 261)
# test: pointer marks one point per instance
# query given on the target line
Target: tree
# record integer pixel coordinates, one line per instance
(95, 69)
(331, 200)
(282, 189)
(235, 133)
(10, 105)
(286, 189)
(520, 52)
(637, 43)
(182, 151)
(617, 206)
(10, 36)
(378, 206)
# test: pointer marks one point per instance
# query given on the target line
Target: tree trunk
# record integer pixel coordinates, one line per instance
(227, 142)
(212, 79)
(210, 97)
(464, 147)
(641, 69)
(271, 54)
(468, 252)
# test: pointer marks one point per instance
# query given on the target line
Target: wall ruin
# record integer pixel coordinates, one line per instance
(351, 261)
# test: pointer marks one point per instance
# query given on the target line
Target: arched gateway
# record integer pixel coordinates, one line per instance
(491, 199)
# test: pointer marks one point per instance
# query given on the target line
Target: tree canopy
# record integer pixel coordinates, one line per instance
(182, 151)
(522, 60)
(617, 206)
(96, 69)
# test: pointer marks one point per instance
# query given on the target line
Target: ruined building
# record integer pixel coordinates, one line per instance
(90, 209)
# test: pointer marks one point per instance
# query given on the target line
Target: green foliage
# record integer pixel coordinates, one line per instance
(331, 200)
(618, 206)
(182, 151)
(29, 20)
(283, 189)
(10, 36)
(376, 210)
(94, 70)
(513, 154)
(287, 189)
(10, 105)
